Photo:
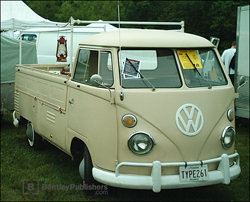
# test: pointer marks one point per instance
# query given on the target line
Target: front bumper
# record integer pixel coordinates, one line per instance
(156, 181)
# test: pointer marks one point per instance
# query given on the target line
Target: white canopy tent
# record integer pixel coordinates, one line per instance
(16, 14)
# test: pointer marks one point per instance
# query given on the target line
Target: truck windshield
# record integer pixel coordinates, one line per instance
(201, 68)
(150, 68)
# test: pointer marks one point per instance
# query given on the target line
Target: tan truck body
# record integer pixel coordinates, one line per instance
(176, 123)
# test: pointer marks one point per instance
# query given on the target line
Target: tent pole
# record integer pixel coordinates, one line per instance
(20, 48)
(71, 42)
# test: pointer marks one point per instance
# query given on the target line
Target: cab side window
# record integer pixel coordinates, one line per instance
(86, 66)
(106, 69)
(90, 62)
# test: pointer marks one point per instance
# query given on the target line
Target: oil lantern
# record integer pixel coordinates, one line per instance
(61, 52)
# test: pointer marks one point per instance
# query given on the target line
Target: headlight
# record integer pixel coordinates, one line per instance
(140, 143)
(129, 120)
(230, 114)
(227, 138)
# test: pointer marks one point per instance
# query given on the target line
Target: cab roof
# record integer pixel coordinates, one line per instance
(147, 38)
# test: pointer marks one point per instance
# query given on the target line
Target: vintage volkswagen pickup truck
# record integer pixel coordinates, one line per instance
(144, 109)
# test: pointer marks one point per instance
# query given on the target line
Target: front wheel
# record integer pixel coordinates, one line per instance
(85, 170)
(34, 140)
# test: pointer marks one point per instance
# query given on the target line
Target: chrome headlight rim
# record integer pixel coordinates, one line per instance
(225, 136)
(129, 116)
(149, 138)
(230, 114)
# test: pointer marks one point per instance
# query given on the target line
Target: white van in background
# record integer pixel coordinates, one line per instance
(46, 39)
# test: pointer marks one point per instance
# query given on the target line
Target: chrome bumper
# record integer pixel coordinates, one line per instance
(156, 181)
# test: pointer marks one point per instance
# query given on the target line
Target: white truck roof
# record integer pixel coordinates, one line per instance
(147, 38)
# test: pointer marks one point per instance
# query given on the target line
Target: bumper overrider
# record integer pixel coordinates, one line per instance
(156, 181)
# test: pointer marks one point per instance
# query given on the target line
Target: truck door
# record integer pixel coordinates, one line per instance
(92, 116)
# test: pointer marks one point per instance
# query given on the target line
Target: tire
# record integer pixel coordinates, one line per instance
(34, 140)
(85, 169)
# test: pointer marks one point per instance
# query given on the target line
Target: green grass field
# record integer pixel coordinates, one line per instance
(21, 165)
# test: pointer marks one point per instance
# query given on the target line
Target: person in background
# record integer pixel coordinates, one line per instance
(228, 58)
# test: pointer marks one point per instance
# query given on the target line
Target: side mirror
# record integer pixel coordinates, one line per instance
(96, 80)
(242, 80)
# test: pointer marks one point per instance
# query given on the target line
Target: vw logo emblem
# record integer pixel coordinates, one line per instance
(189, 119)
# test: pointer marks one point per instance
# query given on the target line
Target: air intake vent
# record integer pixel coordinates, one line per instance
(16, 102)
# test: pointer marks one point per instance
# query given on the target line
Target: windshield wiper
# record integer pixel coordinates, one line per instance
(195, 69)
(193, 64)
(142, 77)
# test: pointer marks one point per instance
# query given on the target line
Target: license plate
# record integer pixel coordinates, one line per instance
(193, 173)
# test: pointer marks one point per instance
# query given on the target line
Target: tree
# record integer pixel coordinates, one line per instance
(224, 21)
(46, 9)
(204, 18)
(88, 10)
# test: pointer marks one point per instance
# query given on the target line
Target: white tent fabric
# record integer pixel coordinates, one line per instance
(99, 24)
(9, 58)
(14, 14)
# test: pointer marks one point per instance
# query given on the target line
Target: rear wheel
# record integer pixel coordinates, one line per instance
(34, 140)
